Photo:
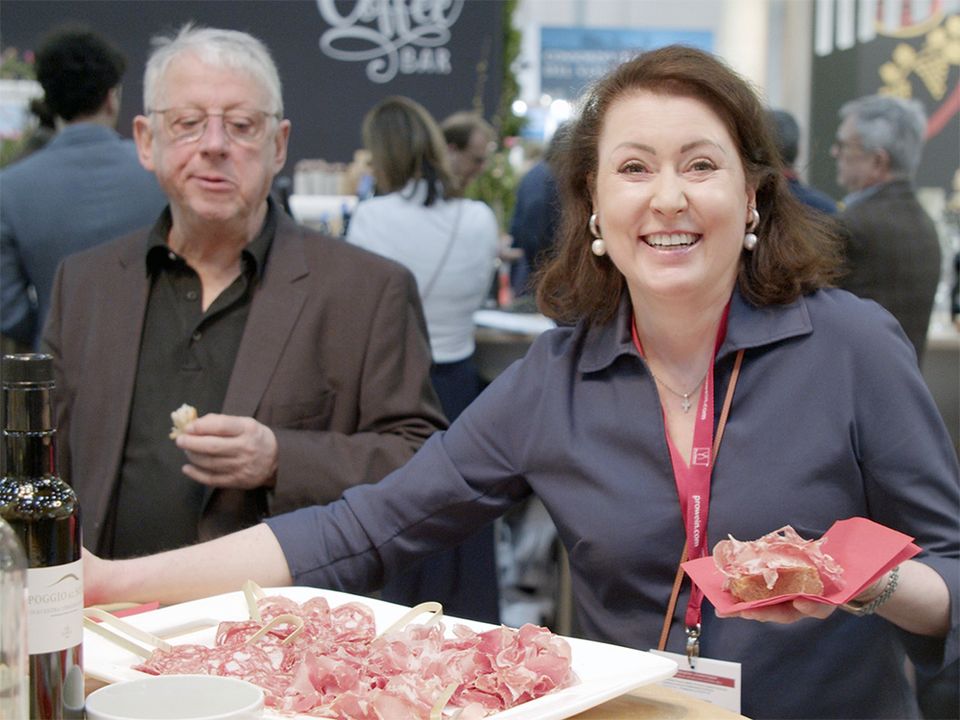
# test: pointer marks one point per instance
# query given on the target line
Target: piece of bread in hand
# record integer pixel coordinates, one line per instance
(790, 580)
(181, 417)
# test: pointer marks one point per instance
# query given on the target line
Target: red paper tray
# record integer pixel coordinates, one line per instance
(864, 549)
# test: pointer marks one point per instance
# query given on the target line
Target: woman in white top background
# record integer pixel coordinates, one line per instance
(450, 245)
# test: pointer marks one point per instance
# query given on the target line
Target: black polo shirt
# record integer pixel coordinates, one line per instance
(186, 356)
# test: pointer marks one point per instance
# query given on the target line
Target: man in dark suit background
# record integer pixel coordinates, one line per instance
(786, 133)
(893, 250)
(85, 186)
(537, 213)
(306, 358)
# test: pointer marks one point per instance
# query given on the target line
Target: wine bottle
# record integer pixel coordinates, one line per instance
(44, 513)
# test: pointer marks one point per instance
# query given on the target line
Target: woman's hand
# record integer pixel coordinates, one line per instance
(801, 608)
(785, 613)
(919, 603)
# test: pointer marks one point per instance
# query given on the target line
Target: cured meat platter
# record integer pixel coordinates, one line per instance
(603, 671)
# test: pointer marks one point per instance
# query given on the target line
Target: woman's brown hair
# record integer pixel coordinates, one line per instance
(405, 143)
(798, 250)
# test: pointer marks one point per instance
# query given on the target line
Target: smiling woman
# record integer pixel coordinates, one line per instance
(673, 206)
(800, 252)
(687, 276)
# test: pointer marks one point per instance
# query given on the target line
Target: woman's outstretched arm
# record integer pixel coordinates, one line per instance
(208, 568)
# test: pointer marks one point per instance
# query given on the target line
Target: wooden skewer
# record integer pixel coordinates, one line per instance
(436, 712)
(91, 615)
(425, 607)
(253, 592)
(279, 620)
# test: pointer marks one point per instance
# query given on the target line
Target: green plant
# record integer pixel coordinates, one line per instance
(15, 67)
(508, 123)
(497, 185)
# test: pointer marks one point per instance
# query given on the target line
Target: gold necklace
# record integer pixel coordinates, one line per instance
(685, 403)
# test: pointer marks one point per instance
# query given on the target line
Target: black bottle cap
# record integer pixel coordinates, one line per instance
(27, 369)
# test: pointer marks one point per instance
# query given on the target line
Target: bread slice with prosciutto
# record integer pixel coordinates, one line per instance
(779, 563)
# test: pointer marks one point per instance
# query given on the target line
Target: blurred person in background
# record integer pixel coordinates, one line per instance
(449, 243)
(84, 187)
(304, 386)
(536, 214)
(892, 246)
(786, 134)
(470, 141)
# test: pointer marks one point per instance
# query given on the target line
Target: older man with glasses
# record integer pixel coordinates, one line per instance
(304, 386)
(893, 250)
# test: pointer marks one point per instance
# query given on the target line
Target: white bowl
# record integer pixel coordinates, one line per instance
(177, 697)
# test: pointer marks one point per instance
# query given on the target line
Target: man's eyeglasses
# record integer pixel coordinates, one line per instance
(187, 125)
(847, 146)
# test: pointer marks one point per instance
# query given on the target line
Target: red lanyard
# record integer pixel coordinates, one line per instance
(693, 480)
(693, 487)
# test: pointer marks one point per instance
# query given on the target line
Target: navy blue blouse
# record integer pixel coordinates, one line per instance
(830, 419)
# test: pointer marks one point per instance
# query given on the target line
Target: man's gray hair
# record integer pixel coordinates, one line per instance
(217, 47)
(895, 125)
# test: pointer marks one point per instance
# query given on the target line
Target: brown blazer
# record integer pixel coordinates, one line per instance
(334, 359)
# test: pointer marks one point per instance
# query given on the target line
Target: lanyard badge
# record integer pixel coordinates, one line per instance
(693, 486)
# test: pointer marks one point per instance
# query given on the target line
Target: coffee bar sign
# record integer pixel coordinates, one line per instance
(406, 37)
(337, 58)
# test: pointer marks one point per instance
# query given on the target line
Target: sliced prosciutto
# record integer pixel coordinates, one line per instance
(333, 665)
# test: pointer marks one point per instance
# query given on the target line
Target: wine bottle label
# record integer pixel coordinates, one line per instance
(55, 607)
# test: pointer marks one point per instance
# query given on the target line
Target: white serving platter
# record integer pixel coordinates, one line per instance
(604, 671)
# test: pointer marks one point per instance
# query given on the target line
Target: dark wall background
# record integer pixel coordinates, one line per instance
(324, 98)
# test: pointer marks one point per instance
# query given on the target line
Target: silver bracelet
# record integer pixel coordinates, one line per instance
(869, 608)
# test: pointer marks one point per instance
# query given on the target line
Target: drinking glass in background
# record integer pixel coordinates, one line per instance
(13, 626)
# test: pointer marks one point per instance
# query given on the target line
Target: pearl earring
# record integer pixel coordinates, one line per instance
(598, 247)
(750, 239)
